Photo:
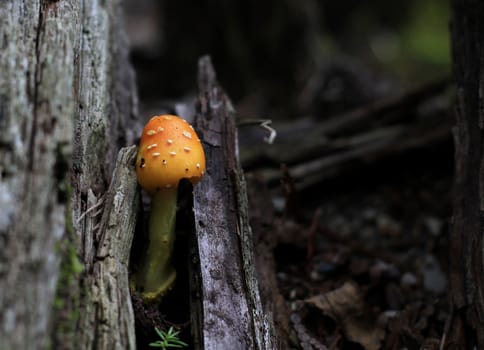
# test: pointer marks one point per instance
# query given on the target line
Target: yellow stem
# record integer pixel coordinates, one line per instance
(157, 273)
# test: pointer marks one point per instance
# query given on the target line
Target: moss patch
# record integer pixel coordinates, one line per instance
(67, 298)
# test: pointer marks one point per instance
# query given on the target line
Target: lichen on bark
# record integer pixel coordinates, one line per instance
(64, 76)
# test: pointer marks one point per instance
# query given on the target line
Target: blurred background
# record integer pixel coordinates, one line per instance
(359, 177)
(285, 59)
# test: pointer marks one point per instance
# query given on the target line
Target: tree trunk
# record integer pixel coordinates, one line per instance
(466, 239)
(67, 102)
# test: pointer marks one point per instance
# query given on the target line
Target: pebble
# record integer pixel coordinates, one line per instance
(387, 226)
(434, 279)
(315, 276)
(282, 276)
(369, 214)
(434, 225)
(408, 280)
(383, 269)
(325, 268)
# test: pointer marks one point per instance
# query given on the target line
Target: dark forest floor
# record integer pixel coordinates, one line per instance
(363, 264)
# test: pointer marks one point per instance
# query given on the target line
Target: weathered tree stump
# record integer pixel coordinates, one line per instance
(69, 200)
(67, 102)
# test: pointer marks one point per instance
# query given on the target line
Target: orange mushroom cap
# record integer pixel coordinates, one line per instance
(169, 151)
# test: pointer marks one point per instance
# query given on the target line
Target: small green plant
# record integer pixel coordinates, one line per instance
(168, 339)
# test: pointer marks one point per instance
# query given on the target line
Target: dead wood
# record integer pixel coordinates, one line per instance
(108, 301)
(229, 312)
(318, 150)
(67, 101)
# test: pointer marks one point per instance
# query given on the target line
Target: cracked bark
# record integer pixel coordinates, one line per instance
(69, 200)
(67, 105)
(227, 311)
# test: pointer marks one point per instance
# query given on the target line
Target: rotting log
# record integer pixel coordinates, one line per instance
(318, 150)
(67, 105)
(227, 311)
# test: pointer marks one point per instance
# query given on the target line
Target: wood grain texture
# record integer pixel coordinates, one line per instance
(108, 299)
(231, 312)
(36, 94)
(67, 102)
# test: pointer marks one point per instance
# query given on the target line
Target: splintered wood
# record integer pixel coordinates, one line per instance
(230, 314)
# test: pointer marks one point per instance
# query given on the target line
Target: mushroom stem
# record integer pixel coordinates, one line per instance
(157, 274)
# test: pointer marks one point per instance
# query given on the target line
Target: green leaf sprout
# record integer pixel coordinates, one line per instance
(168, 339)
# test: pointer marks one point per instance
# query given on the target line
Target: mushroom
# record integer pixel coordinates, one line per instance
(169, 151)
